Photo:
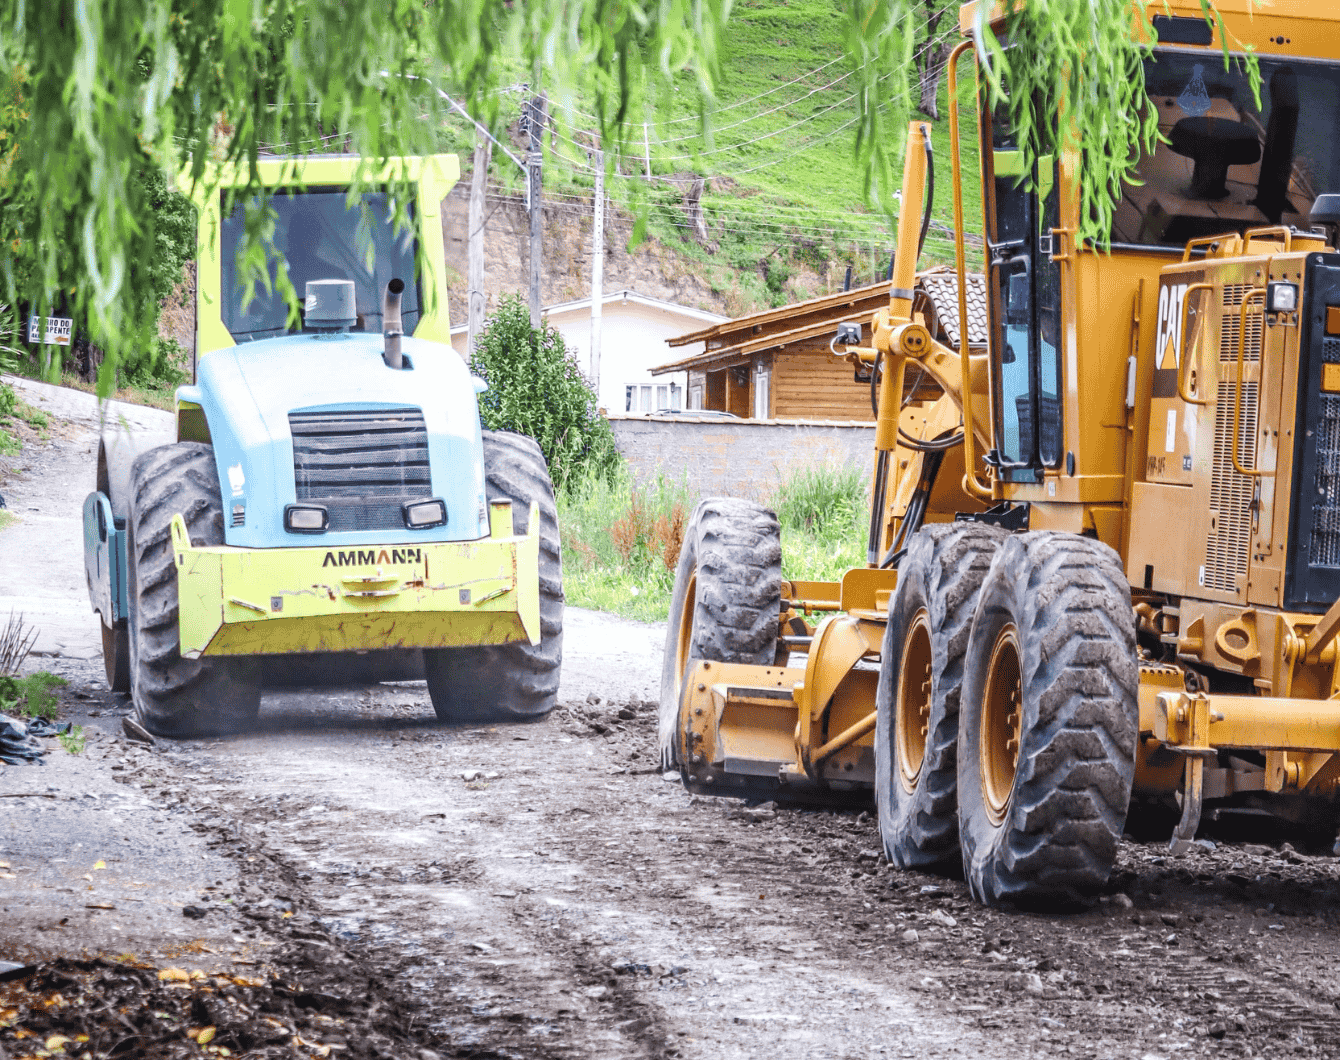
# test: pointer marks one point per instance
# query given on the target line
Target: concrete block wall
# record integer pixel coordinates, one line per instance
(738, 458)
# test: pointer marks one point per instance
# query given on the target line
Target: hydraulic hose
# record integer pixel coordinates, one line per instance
(930, 197)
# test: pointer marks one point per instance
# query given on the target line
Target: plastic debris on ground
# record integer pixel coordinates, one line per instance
(18, 743)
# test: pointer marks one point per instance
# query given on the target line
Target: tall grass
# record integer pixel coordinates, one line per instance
(823, 511)
(621, 541)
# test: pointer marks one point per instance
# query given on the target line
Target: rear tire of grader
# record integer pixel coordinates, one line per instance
(916, 734)
(726, 602)
(178, 697)
(1048, 721)
(518, 681)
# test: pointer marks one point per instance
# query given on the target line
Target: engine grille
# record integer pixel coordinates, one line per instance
(1227, 547)
(1325, 548)
(1231, 326)
(362, 465)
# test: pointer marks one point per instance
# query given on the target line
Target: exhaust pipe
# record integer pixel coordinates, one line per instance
(391, 329)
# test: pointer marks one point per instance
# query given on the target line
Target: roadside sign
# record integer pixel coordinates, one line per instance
(57, 332)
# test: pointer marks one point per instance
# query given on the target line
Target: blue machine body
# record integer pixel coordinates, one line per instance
(247, 393)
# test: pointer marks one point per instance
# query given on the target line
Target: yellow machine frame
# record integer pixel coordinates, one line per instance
(246, 601)
(812, 727)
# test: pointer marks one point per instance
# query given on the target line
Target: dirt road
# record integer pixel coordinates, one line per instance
(543, 891)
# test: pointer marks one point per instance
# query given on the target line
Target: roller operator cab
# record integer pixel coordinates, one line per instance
(329, 509)
(1103, 578)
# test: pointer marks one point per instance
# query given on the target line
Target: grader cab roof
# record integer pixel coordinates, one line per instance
(1298, 27)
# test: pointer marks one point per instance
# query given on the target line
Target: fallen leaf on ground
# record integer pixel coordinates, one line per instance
(174, 975)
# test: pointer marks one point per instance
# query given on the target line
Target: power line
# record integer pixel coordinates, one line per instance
(937, 69)
(762, 113)
(590, 118)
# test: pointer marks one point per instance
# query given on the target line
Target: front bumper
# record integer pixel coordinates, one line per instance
(243, 601)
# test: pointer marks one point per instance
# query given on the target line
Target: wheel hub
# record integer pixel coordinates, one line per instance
(998, 748)
(913, 703)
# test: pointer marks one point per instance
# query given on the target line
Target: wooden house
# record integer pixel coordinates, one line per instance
(777, 364)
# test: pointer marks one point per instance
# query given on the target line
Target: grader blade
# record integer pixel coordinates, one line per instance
(738, 731)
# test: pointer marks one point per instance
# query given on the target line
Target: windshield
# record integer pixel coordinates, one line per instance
(1227, 165)
(318, 236)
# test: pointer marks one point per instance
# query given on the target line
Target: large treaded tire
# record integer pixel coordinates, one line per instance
(931, 618)
(726, 602)
(173, 696)
(1059, 607)
(519, 681)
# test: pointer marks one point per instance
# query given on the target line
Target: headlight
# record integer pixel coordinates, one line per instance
(1282, 298)
(420, 515)
(305, 519)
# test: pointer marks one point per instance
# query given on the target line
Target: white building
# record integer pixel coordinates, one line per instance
(633, 334)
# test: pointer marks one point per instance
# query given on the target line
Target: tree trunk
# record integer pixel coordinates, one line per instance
(930, 65)
(693, 207)
(929, 57)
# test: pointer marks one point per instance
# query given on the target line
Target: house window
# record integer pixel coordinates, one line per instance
(638, 398)
(696, 397)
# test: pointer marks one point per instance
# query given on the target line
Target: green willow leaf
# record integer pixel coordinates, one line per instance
(114, 89)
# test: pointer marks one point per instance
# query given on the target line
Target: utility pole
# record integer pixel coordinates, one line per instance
(597, 270)
(475, 280)
(539, 106)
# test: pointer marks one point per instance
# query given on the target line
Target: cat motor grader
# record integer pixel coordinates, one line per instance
(1103, 568)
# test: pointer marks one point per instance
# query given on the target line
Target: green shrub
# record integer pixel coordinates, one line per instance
(164, 366)
(621, 543)
(74, 740)
(9, 444)
(34, 417)
(30, 696)
(536, 388)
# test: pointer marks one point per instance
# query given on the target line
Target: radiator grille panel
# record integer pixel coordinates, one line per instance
(1230, 327)
(361, 464)
(1325, 549)
(1231, 493)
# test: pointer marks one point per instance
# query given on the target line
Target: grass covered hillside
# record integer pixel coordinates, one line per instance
(769, 205)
